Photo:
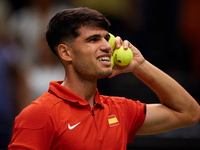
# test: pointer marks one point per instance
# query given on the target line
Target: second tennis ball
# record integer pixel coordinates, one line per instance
(122, 57)
(112, 41)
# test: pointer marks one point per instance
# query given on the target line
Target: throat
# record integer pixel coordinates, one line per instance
(84, 90)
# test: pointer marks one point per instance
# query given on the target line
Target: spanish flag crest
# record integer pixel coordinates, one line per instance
(112, 121)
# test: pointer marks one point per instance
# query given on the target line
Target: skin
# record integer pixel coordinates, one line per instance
(81, 61)
(83, 69)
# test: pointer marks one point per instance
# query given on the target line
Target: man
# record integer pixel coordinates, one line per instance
(72, 114)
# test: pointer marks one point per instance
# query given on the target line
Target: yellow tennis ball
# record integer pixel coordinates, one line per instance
(122, 57)
(112, 62)
(111, 41)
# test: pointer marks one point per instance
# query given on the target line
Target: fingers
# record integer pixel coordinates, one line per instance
(120, 43)
(126, 44)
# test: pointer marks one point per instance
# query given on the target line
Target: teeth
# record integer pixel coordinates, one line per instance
(104, 59)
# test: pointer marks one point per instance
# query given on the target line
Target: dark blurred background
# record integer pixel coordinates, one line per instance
(166, 32)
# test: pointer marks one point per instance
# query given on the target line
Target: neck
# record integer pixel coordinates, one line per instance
(84, 88)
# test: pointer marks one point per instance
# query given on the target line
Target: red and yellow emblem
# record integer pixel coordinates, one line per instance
(112, 120)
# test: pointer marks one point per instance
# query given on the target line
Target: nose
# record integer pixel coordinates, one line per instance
(106, 46)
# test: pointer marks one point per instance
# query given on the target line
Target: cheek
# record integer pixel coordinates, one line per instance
(83, 63)
(81, 60)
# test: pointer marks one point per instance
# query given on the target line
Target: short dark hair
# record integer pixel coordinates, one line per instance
(65, 24)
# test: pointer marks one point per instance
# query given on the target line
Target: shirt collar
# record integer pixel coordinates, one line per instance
(60, 91)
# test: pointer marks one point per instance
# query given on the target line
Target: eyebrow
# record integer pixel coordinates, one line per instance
(93, 36)
(96, 36)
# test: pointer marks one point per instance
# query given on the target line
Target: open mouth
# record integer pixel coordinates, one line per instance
(106, 59)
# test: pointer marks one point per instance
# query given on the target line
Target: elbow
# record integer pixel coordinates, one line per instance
(189, 121)
(196, 117)
(193, 114)
(193, 118)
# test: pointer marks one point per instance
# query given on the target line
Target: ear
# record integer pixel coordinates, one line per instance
(64, 52)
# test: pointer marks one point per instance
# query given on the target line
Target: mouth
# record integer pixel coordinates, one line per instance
(106, 59)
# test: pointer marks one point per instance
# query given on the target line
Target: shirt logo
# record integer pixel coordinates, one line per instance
(112, 121)
(72, 127)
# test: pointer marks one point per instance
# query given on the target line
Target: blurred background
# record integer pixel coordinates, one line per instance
(167, 33)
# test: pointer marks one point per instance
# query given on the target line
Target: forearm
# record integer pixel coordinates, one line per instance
(169, 92)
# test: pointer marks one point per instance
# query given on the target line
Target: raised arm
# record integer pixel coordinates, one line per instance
(177, 108)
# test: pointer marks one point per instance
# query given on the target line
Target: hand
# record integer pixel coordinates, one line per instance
(137, 60)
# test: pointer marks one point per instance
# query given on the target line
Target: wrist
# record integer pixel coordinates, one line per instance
(141, 67)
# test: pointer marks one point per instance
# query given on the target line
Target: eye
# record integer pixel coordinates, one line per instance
(107, 37)
(93, 39)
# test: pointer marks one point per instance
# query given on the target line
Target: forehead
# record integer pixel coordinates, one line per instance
(86, 31)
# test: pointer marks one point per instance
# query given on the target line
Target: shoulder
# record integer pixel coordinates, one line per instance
(119, 100)
(37, 114)
(123, 103)
(105, 98)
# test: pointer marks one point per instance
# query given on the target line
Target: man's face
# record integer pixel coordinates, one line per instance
(92, 53)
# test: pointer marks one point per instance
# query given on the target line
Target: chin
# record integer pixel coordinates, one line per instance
(106, 74)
